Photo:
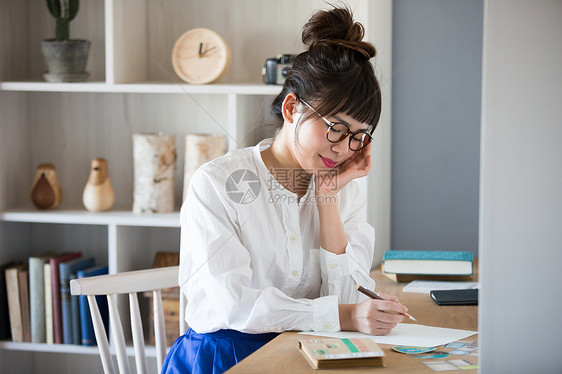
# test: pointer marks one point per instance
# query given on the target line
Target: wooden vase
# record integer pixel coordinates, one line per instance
(154, 162)
(46, 192)
(199, 149)
(98, 194)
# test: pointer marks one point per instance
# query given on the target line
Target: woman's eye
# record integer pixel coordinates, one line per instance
(339, 127)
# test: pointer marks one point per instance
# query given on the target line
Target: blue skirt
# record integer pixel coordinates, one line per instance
(212, 353)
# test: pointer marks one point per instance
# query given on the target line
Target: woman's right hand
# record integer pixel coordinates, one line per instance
(377, 317)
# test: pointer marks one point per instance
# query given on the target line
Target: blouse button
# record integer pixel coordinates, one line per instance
(293, 238)
(333, 266)
(295, 272)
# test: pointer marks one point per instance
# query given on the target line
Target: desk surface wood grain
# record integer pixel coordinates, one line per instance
(281, 355)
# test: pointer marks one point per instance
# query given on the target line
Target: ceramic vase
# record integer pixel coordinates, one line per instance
(46, 192)
(98, 194)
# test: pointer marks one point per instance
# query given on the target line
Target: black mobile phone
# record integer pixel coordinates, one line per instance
(455, 297)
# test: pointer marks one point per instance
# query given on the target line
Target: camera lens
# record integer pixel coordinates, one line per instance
(285, 71)
(286, 59)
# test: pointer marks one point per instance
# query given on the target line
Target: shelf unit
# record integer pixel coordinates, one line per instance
(133, 89)
(68, 348)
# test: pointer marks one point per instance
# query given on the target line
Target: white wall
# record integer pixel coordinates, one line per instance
(521, 188)
(436, 97)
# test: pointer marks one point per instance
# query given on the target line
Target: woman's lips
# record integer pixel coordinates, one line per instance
(329, 163)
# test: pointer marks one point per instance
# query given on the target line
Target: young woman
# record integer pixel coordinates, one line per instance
(274, 237)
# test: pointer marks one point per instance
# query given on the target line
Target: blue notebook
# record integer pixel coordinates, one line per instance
(86, 325)
(66, 271)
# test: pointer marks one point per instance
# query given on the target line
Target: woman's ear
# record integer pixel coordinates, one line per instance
(289, 107)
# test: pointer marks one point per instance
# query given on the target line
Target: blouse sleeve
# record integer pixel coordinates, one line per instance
(216, 271)
(340, 273)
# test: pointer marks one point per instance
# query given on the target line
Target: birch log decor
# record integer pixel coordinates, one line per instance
(200, 148)
(154, 161)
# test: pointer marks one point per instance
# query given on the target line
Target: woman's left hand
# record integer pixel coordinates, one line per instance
(330, 182)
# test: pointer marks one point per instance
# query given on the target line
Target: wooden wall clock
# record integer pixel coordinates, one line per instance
(200, 56)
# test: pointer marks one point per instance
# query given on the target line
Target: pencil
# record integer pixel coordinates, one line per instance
(374, 295)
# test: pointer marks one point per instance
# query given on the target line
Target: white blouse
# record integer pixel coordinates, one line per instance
(251, 258)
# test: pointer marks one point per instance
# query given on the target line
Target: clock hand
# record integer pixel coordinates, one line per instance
(200, 49)
(209, 50)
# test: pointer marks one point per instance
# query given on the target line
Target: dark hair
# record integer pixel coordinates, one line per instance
(334, 73)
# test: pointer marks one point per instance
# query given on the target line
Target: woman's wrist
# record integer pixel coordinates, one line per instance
(326, 199)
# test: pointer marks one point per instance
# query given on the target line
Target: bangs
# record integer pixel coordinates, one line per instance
(352, 93)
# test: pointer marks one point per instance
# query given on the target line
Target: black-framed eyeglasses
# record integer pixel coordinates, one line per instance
(338, 131)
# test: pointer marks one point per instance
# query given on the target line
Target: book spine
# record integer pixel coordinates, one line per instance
(37, 300)
(48, 304)
(75, 316)
(5, 331)
(14, 307)
(86, 326)
(65, 306)
(23, 278)
(55, 289)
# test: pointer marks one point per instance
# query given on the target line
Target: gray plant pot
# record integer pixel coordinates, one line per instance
(66, 60)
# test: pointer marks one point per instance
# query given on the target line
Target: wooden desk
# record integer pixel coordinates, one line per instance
(281, 355)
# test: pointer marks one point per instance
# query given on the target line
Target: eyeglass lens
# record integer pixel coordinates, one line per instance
(339, 131)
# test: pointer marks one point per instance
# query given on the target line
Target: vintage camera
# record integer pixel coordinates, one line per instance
(277, 68)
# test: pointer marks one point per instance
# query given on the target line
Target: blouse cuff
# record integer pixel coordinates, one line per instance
(335, 265)
(325, 314)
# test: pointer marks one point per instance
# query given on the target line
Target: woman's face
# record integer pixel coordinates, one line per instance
(313, 150)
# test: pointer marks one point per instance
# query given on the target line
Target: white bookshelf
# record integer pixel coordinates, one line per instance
(133, 89)
(144, 87)
(68, 348)
(83, 217)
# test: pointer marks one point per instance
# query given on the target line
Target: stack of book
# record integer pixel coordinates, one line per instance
(36, 305)
(406, 266)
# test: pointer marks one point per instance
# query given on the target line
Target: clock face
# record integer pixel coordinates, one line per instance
(200, 56)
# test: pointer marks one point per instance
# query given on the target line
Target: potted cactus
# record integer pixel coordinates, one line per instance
(66, 58)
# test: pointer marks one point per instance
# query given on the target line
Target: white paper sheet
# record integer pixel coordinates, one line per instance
(406, 334)
(419, 286)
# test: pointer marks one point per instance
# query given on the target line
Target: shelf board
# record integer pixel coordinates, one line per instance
(77, 216)
(67, 348)
(144, 87)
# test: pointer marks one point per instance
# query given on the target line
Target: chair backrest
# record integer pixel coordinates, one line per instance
(129, 283)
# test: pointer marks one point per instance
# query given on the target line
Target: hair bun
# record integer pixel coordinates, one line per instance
(336, 27)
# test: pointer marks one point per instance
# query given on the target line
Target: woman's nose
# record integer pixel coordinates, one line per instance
(342, 147)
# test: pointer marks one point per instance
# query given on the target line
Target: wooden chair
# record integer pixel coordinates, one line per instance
(130, 283)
